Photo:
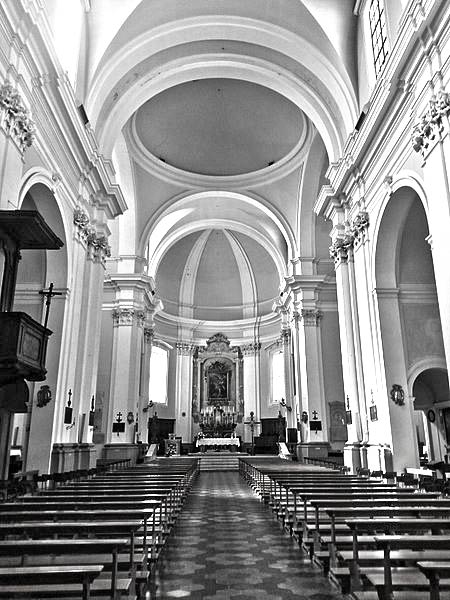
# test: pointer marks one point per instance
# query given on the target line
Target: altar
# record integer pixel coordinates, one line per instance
(204, 442)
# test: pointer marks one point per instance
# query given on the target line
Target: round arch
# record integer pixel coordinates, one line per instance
(405, 179)
(46, 198)
(180, 202)
(321, 90)
(173, 232)
(171, 239)
(432, 362)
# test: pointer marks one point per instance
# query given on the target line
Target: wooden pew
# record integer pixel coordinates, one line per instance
(389, 525)
(30, 550)
(105, 506)
(37, 580)
(411, 548)
(435, 572)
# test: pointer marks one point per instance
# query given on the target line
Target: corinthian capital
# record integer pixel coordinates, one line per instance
(431, 123)
(285, 336)
(148, 335)
(340, 248)
(185, 349)
(251, 349)
(81, 222)
(128, 316)
(15, 117)
(98, 246)
(311, 317)
(360, 226)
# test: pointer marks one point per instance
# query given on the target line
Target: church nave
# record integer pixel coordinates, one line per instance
(226, 546)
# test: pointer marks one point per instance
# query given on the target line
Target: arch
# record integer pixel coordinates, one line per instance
(32, 180)
(49, 180)
(432, 362)
(171, 239)
(255, 71)
(405, 179)
(321, 88)
(181, 202)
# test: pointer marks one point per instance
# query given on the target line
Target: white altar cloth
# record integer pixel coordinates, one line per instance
(217, 441)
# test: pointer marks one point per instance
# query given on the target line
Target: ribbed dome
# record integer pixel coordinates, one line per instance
(217, 275)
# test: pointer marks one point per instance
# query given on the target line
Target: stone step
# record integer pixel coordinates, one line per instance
(219, 461)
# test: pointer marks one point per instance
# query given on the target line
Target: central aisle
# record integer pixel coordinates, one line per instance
(226, 545)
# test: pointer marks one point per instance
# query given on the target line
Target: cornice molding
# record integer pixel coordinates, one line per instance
(391, 98)
(166, 172)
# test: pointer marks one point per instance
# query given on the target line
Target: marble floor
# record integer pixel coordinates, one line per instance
(227, 545)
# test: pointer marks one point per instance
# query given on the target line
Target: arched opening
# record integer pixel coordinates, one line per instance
(410, 323)
(37, 270)
(432, 400)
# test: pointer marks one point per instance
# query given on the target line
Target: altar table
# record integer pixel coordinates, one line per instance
(219, 441)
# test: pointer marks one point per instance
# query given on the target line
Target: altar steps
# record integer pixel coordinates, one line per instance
(218, 461)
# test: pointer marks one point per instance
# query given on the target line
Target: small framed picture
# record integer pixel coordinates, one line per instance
(373, 413)
(431, 415)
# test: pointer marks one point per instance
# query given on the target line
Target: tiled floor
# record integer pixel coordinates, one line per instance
(226, 545)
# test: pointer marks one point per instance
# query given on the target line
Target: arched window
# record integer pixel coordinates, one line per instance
(159, 371)
(277, 376)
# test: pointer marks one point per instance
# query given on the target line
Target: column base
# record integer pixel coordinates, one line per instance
(87, 456)
(312, 450)
(71, 457)
(352, 456)
(379, 457)
(122, 451)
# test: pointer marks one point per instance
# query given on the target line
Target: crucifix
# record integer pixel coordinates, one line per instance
(48, 294)
(315, 414)
(252, 424)
(118, 425)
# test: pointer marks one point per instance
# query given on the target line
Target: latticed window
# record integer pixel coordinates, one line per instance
(378, 33)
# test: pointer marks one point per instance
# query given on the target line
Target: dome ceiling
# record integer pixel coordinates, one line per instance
(219, 127)
(217, 275)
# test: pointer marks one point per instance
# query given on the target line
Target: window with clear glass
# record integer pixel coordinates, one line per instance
(277, 376)
(159, 370)
(378, 33)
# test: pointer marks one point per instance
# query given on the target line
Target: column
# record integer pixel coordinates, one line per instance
(298, 400)
(251, 387)
(77, 300)
(128, 323)
(144, 390)
(394, 431)
(291, 413)
(89, 346)
(339, 251)
(313, 393)
(183, 391)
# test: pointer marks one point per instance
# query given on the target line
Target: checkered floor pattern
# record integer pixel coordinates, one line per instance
(228, 546)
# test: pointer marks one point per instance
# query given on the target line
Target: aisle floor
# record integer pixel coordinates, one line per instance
(226, 546)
